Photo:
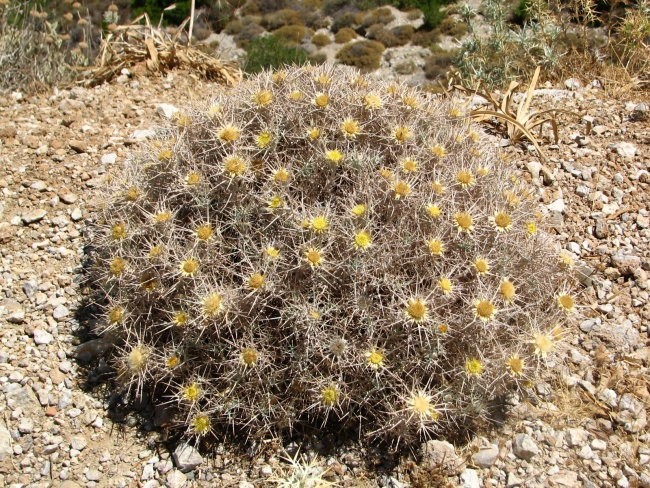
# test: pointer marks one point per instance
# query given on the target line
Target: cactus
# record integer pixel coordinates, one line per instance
(312, 247)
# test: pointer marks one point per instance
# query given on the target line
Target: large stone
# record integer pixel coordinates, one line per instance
(486, 456)
(13, 311)
(441, 455)
(33, 216)
(166, 110)
(577, 437)
(625, 149)
(469, 479)
(187, 457)
(42, 337)
(524, 447)
(631, 414)
(175, 479)
(5, 442)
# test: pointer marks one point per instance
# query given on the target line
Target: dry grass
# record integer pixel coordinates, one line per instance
(141, 43)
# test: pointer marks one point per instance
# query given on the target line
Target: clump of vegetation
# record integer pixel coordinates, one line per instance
(558, 37)
(452, 27)
(397, 36)
(380, 15)
(425, 38)
(40, 48)
(438, 64)
(272, 52)
(345, 35)
(365, 55)
(275, 20)
(291, 34)
(316, 248)
(321, 39)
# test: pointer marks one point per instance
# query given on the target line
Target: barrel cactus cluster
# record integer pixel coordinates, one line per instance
(315, 248)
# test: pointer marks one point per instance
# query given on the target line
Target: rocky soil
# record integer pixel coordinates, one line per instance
(586, 426)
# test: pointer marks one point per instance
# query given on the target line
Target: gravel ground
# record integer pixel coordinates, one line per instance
(586, 426)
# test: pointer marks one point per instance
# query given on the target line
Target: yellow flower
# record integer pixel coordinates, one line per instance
(474, 367)
(409, 165)
(402, 134)
(484, 310)
(334, 155)
(410, 102)
(193, 179)
(358, 210)
(115, 315)
(296, 95)
(512, 199)
(132, 194)
(314, 314)
(473, 135)
(543, 344)
(465, 179)
(422, 405)
(263, 139)
(321, 100)
(118, 231)
(117, 266)
(313, 133)
(515, 365)
(214, 110)
(137, 359)
(443, 328)
(189, 267)
(531, 228)
(281, 175)
(256, 281)
(314, 257)
(417, 310)
(401, 189)
(165, 155)
(455, 112)
(433, 210)
(201, 424)
(204, 232)
(436, 247)
(464, 222)
(212, 305)
(438, 150)
(162, 217)
(180, 318)
(375, 358)
(329, 396)
(228, 133)
(172, 361)
(182, 120)
(235, 166)
(272, 252)
(446, 286)
(372, 101)
(275, 202)
(323, 79)
(362, 240)
(507, 290)
(262, 98)
(501, 221)
(156, 251)
(386, 173)
(483, 170)
(565, 302)
(438, 188)
(350, 128)
(319, 224)
(191, 392)
(279, 76)
(566, 260)
(481, 265)
(248, 356)
(149, 285)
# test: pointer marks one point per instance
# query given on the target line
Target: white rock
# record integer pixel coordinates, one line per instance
(524, 447)
(76, 214)
(572, 83)
(576, 437)
(598, 445)
(175, 479)
(469, 479)
(557, 206)
(109, 158)
(33, 216)
(38, 186)
(42, 337)
(60, 312)
(142, 134)
(78, 442)
(187, 457)
(13, 311)
(166, 110)
(534, 167)
(5, 442)
(486, 456)
(441, 455)
(625, 149)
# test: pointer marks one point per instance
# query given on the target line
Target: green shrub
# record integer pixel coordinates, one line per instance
(271, 52)
(438, 64)
(321, 39)
(377, 16)
(425, 38)
(249, 32)
(403, 33)
(344, 35)
(379, 33)
(342, 21)
(318, 58)
(283, 17)
(291, 34)
(365, 55)
(351, 256)
(451, 27)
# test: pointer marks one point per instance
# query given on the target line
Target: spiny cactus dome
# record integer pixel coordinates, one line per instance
(314, 247)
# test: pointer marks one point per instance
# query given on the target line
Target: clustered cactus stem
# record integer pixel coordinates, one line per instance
(314, 247)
